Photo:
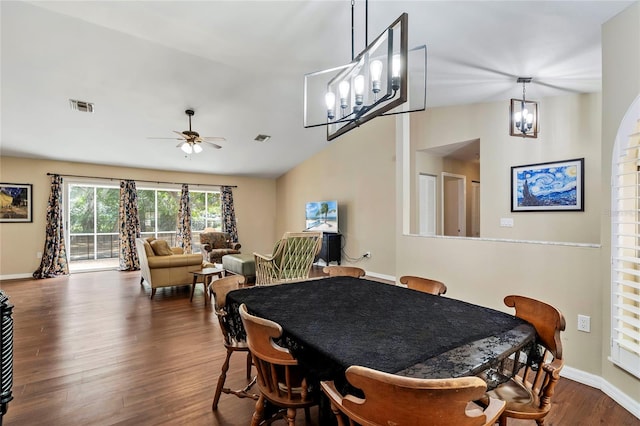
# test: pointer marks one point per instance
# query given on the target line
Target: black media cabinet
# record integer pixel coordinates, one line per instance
(331, 250)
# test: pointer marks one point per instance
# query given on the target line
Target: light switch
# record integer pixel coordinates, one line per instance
(506, 222)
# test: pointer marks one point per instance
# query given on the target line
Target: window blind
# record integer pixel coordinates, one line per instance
(625, 246)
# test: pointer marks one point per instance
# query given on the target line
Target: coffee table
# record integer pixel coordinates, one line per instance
(206, 274)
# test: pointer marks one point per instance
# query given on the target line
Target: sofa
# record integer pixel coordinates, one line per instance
(215, 244)
(164, 266)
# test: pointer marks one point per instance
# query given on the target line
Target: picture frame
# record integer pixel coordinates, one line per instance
(16, 202)
(552, 186)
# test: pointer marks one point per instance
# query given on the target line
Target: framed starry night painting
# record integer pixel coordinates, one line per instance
(555, 186)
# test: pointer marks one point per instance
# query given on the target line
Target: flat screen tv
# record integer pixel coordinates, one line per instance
(322, 216)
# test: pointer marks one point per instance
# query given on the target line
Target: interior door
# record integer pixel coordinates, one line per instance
(453, 205)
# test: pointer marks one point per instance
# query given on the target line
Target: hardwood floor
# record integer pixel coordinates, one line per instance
(92, 349)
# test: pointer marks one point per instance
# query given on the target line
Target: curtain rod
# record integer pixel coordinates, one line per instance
(140, 180)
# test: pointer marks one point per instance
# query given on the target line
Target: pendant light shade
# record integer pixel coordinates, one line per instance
(523, 114)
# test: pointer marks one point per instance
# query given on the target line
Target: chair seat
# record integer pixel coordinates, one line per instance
(294, 400)
(519, 399)
(237, 345)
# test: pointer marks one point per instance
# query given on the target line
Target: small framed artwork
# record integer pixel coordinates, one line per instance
(555, 186)
(15, 202)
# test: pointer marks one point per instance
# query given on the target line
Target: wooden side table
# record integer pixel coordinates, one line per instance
(206, 274)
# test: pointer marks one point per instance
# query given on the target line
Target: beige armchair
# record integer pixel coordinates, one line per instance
(164, 266)
(291, 260)
(215, 244)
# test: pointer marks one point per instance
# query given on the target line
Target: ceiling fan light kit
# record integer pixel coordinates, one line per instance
(523, 114)
(385, 78)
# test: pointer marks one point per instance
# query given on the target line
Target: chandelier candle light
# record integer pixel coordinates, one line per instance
(379, 81)
(523, 114)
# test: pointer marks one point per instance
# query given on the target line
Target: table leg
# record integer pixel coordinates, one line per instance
(205, 282)
(193, 286)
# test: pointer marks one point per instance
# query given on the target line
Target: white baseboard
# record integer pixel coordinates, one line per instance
(598, 382)
(381, 276)
(15, 277)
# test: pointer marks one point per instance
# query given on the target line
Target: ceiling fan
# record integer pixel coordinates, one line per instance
(190, 140)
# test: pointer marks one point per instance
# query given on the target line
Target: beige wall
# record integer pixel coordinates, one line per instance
(254, 201)
(361, 169)
(569, 276)
(484, 272)
(356, 169)
(620, 86)
(569, 128)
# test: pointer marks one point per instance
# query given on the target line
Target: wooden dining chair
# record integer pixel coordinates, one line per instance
(279, 378)
(528, 394)
(218, 290)
(397, 400)
(424, 285)
(344, 271)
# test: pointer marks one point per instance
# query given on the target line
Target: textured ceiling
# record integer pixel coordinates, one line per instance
(240, 65)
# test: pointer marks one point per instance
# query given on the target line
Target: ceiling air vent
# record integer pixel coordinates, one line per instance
(262, 138)
(81, 106)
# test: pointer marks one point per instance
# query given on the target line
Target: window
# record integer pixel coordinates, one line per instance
(625, 244)
(92, 217)
(158, 212)
(93, 222)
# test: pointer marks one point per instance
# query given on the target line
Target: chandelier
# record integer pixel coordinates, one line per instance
(385, 78)
(523, 114)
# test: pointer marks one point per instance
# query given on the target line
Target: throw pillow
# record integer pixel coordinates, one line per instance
(161, 248)
(220, 241)
(147, 249)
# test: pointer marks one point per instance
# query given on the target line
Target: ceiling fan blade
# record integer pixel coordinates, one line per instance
(213, 145)
(180, 144)
(182, 135)
(173, 139)
(214, 138)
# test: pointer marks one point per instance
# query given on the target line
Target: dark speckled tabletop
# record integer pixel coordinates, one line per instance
(333, 323)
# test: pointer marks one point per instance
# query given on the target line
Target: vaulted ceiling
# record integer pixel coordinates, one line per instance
(240, 66)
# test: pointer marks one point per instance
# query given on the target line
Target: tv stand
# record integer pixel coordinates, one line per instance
(331, 250)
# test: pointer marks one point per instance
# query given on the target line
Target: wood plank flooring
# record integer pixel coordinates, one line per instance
(92, 349)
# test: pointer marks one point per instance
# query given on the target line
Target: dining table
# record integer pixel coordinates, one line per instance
(332, 323)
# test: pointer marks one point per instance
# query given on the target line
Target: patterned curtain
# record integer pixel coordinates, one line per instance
(228, 213)
(54, 255)
(183, 234)
(129, 224)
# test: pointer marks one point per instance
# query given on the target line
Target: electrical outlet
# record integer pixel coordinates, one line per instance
(367, 254)
(584, 323)
(39, 255)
